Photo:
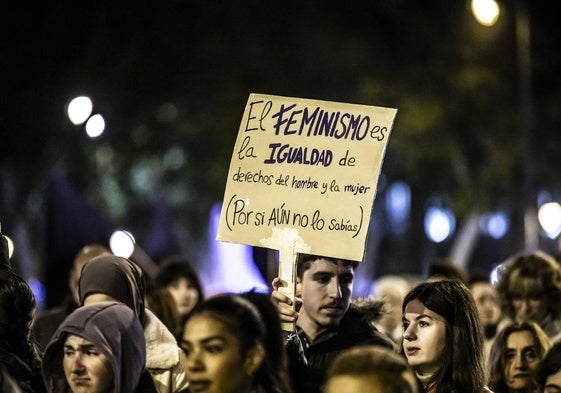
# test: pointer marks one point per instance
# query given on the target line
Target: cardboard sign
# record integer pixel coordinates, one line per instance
(307, 166)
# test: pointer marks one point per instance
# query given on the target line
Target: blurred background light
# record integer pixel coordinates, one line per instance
(486, 12)
(398, 207)
(174, 158)
(122, 243)
(549, 217)
(38, 290)
(233, 269)
(439, 224)
(167, 113)
(79, 109)
(495, 275)
(10, 246)
(494, 225)
(95, 126)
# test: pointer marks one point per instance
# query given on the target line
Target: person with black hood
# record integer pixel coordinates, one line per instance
(110, 277)
(19, 357)
(98, 348)
(325, 322)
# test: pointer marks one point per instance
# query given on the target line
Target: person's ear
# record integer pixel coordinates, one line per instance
(254, 358)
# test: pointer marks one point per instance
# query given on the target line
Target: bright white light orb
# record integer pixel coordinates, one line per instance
(486, 12)
(439, 224)
(122, 243)
(95, 126)
(79, 110)
(549, 217)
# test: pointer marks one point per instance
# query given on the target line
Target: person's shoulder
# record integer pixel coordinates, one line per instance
(378, 338)
(355, 326)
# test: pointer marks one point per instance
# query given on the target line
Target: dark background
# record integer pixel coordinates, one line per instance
(173, 77)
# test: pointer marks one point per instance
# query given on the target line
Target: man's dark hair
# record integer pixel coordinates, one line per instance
(304, 261)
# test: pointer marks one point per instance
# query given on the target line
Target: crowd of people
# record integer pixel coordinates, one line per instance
(122, 331)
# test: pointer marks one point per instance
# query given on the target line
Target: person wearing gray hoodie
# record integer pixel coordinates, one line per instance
(97, 348)
(111, 277)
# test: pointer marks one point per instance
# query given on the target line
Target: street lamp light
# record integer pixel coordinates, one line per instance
(549, 216)
(79, 109)
(482, 10)
(485, 12)
(123, 244)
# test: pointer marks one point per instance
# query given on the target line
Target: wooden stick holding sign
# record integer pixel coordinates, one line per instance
(289, 244)
(304, 169)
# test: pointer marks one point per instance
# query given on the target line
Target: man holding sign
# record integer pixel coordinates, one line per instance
(302, 181)
(326, 323)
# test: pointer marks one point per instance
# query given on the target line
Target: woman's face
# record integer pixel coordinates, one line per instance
(487, 303)
(528, 298)
(184, 294)
(521, 359)
(529, 307)
(424, 337)
(87, 370)
(214, 359)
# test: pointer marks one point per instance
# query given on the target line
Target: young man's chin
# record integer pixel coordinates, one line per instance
(331, 321)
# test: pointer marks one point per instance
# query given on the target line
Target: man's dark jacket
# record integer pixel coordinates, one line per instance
(308, 362)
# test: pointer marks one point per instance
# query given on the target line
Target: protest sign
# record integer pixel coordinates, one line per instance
(305, 165)
(303, 178)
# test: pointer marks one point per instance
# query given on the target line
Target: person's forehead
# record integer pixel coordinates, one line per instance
(75, 340)
(482, 286)
(357, 383)
(201, 327)
(523, 284)
(416, 308)
(480, 290)
(521, 338)
(180, 280)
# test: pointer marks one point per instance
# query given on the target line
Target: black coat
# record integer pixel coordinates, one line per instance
(47, 322)
(308, 362)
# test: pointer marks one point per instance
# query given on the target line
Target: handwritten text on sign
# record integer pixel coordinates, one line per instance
(305, 164)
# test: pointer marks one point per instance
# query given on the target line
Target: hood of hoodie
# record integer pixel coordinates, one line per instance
(116, 332)
(116, 277)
